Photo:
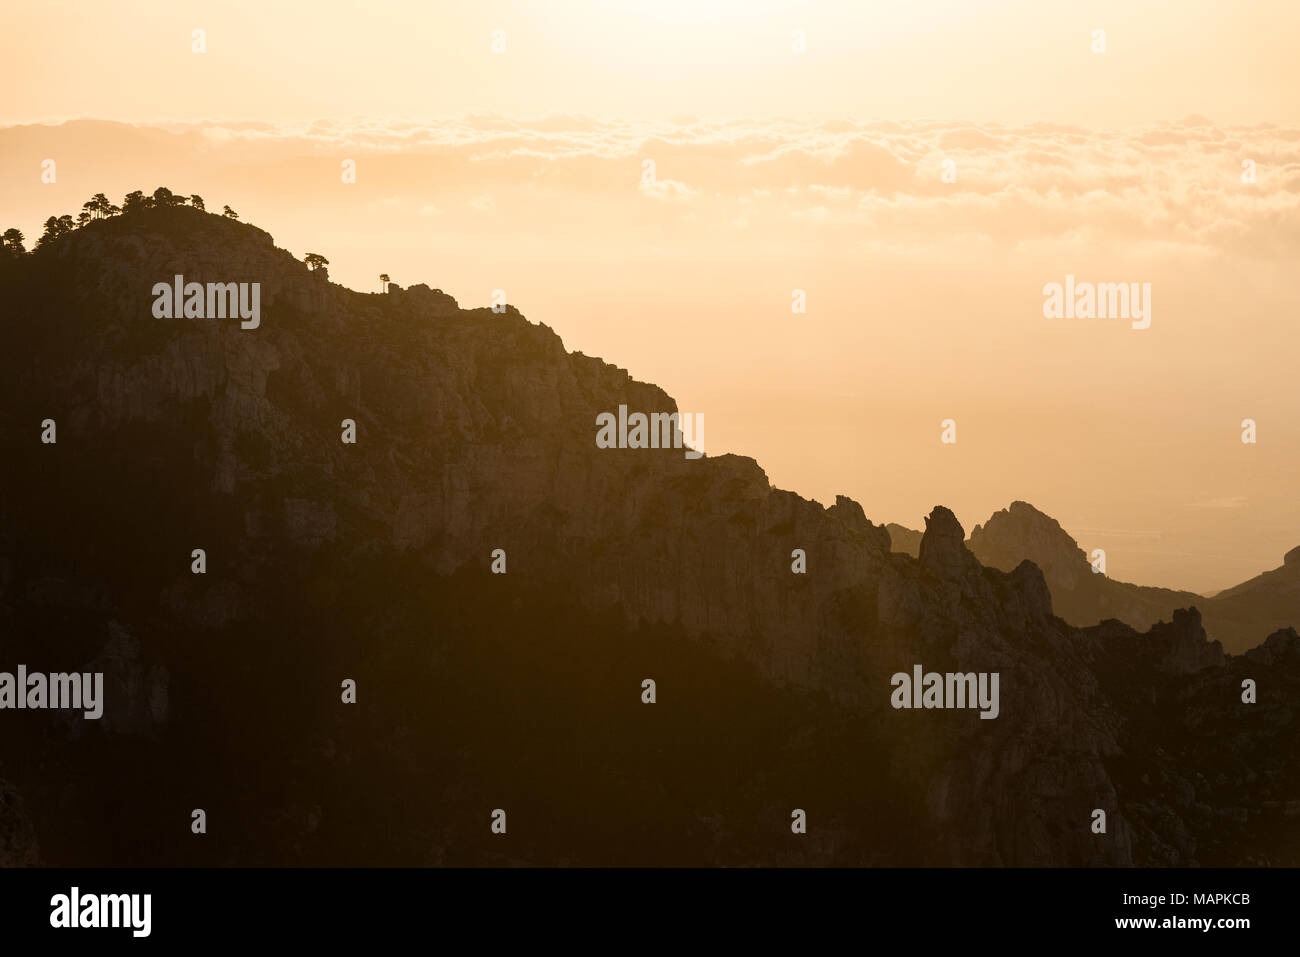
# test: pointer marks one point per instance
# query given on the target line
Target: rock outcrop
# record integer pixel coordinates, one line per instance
(943, 551)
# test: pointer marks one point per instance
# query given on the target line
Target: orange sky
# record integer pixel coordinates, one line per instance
(774, 171)
(1007, 60)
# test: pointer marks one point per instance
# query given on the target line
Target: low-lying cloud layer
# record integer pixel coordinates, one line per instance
(921, 249)
(1181, 183)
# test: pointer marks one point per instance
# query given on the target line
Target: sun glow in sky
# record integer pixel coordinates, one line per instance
(1009, 60)
(776, 170)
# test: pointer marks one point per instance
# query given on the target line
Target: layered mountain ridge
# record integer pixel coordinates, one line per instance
(475, 432)
(1241, 617)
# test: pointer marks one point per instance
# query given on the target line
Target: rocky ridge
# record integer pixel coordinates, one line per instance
(475, 432)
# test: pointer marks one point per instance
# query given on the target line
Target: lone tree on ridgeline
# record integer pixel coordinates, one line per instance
(12, 241)
(197, 202)
(162, 196)
(51, 232)
(55, 227)
(98, 207)
(229, 213)
(103, 207)
(315, 261)
(383, 282)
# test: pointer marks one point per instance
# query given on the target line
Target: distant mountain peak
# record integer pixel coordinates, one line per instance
(1239, 616)
(1023, 532)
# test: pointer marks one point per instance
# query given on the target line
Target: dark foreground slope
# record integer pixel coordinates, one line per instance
(523, 691)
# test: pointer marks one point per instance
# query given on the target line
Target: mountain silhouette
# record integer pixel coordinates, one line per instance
(372, 561)
(1240, 617)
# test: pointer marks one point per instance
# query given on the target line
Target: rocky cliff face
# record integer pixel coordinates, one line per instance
(476, 431)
